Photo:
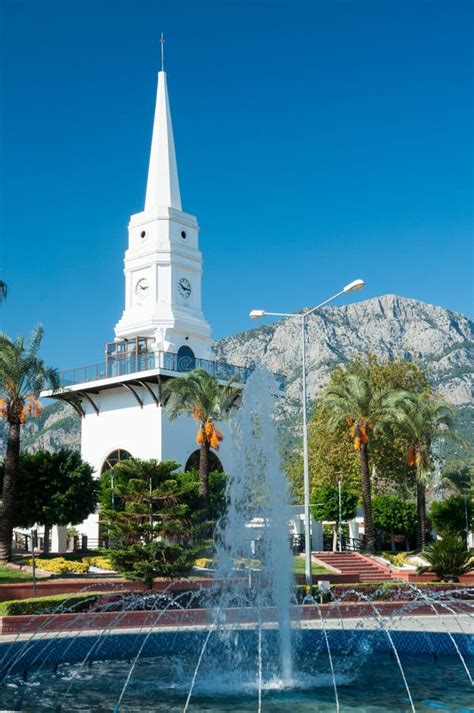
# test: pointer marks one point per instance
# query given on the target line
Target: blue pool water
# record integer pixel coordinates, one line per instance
(88, 673)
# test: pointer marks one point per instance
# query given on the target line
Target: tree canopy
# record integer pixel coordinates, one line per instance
(452, 516)
(331, 449)
(458, 476)
(394, 516)
(326, 507)
(53, 489)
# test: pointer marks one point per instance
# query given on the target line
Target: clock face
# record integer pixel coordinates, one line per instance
(184, 287)
(142, 289)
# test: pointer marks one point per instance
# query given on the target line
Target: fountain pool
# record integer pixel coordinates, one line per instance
(87, 673)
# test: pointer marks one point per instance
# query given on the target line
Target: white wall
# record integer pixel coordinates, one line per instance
(144, 432)
(121, 423)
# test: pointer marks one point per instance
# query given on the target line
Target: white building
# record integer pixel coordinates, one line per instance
(161, 334)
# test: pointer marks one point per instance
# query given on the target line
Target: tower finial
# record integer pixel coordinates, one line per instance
(162, 43)
(162, 185)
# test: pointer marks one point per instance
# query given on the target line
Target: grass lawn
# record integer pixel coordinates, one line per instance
(299, 567)
(73, 556)
(11, 576)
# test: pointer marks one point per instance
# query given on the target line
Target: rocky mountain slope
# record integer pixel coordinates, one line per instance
(387, 326)
(58, 426)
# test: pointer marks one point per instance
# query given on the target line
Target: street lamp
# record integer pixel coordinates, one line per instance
(33, 532)
(257, 314)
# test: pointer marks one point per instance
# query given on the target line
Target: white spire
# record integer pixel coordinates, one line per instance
(163, 185)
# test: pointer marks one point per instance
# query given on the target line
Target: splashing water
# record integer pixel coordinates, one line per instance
(253, 534)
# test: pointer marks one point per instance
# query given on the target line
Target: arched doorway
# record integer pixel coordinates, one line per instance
(214, 463)
(186, 359)
(115, 457)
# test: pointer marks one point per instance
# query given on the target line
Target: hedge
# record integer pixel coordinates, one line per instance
(381, 591)
(57, 604)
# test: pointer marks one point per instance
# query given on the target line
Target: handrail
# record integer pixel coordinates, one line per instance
(165, 361)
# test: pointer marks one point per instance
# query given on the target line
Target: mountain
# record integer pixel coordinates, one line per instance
(388, 326)
(57, 426)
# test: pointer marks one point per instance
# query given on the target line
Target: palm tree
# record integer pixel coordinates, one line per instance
(200, 394)
(22, 377)
(3, 290)
(424, 419)
(364, 409)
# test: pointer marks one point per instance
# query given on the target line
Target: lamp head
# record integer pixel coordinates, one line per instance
(256, 313)
(354, 285)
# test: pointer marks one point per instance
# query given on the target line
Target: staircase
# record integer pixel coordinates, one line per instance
(363, 569)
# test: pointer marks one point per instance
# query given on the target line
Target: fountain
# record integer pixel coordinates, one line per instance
(243, 643)
(254, 530)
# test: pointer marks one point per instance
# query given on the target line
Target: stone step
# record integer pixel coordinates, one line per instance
(353, 564)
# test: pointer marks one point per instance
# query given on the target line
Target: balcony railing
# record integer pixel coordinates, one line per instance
(159, 361)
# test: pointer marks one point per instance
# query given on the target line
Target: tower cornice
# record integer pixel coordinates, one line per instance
(163, 213)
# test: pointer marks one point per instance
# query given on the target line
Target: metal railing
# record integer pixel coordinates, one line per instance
(21, 541)
(161, 361)
(83, 543)
(349, 544)
(297, 544)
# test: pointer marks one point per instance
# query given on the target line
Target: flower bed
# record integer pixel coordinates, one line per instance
(61, 565)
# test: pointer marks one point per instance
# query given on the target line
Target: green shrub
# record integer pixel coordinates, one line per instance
(448, 558)
(59, 604)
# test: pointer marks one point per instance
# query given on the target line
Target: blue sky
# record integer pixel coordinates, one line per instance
(316, 141)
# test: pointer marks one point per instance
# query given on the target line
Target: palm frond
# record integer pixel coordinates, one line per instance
(199, 390)
(21, 371)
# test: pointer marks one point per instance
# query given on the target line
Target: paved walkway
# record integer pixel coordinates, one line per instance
(459, 624)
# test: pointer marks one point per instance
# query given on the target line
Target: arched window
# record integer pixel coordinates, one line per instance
(115, 457)
(214, 463)
(186, 359)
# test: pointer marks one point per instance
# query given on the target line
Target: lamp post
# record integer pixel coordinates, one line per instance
(257, 314)
(339, 521)
(33, 532)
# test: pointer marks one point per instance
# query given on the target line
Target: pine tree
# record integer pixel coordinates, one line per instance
(143, 511)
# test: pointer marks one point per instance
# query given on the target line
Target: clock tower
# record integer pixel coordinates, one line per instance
(163, 264)
(161, 335)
